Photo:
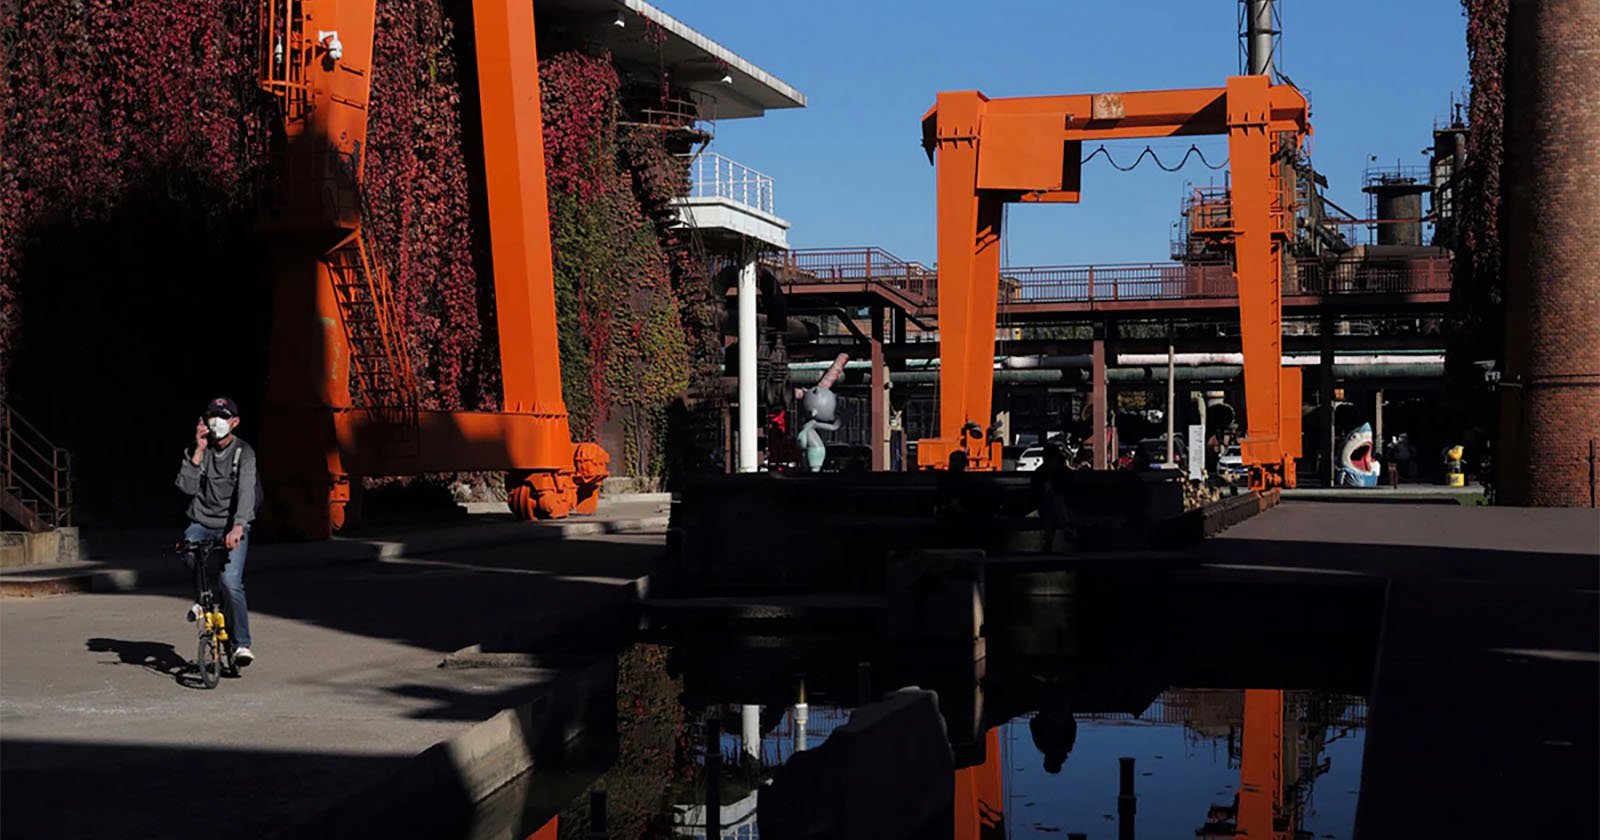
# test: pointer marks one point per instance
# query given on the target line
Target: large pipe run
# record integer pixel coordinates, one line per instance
(1135, 375)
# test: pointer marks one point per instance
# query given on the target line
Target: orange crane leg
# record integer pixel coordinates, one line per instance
(524, 282)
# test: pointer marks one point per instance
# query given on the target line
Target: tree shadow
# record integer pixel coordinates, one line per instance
(155, 657)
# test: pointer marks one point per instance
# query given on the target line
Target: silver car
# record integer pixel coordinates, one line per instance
(1030, 459)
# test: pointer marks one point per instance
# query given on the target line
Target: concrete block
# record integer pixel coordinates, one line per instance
(45, 548)
(886, 774)
(936, 594)
(13, 549)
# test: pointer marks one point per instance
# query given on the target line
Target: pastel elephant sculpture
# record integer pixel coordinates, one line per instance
(819, 409)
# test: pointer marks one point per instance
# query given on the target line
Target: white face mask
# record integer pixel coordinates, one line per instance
(220, 427)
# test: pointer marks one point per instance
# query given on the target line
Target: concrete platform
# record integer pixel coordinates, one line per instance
(100, 736)
(115, 561)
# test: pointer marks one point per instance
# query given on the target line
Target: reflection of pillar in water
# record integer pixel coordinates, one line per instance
(750, 723)
(1261, 768)
(1127, 803)
(714, 779)
(980, 804)
(802, 713)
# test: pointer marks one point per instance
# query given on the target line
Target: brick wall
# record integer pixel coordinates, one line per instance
(1551, 399)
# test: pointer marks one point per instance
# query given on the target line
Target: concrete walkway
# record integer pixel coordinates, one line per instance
(102, 736)
(123, 560)
(1486, 700)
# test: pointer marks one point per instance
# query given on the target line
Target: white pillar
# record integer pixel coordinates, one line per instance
(1377, 425)
(749, 460)
(1171, 403)
(750, 720)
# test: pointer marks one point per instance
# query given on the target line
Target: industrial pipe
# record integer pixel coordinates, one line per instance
(1259, 37)
(1193, 373)
(1289, 359)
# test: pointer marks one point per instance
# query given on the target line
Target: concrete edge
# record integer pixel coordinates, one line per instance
(445, 781)
(330, 553)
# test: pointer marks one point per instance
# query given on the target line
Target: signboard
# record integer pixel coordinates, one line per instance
(1197, 451)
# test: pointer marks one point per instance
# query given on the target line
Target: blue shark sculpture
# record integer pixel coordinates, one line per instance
(1357, 465)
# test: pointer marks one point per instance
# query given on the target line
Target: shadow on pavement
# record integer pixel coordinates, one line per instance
(155, 657)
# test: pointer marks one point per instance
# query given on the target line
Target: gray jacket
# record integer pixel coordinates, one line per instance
(224, 488)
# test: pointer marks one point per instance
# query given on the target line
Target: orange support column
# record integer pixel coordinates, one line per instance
(1258, 265)
(969, 282)
(519, 233)
(312, 212)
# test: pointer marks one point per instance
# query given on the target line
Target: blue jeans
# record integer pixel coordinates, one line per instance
(232, 577)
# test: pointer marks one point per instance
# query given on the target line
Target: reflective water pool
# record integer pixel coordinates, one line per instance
(1112, 712)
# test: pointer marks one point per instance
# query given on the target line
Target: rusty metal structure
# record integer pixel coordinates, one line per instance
(342, 401)
(990, 152)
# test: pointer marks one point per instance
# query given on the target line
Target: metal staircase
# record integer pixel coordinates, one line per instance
(35, 475)
(381, 376)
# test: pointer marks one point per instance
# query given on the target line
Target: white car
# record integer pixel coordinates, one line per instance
(1030, 459)
(1230, 465)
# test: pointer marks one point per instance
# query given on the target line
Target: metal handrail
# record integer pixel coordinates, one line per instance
(49, 490)
(1121, 281)
(713, 176)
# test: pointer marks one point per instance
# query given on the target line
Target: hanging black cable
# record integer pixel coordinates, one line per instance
(1193, 150)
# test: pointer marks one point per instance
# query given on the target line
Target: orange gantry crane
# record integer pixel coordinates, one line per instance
(1029, 149)
(335, 333)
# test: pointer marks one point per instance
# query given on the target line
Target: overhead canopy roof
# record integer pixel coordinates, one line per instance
(694, 63)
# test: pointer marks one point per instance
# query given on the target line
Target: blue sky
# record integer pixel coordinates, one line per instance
(850, 170)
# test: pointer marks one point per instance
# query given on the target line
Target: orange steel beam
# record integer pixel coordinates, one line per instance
(992, 151)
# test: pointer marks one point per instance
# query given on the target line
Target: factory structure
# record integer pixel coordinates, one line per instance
(1116, 359)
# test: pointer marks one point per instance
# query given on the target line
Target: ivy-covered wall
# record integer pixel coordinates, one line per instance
(624, 351)
(1476, 326)
(131, 282)
(133, 285)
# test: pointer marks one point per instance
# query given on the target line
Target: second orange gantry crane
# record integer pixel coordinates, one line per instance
(990, 152)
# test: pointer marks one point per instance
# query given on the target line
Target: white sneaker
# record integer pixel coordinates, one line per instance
(194, 613)
(243, 657)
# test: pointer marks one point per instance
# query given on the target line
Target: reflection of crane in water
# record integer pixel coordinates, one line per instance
(1276, 738)
(1277, 775)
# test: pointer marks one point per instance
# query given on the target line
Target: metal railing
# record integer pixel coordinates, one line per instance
(1066, 284)
(713, 176)
(858, 265)
(1139, 281)
(35, 475)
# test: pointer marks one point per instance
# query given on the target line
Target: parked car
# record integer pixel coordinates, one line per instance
(1030, 459)
(1154, 454)
(1230, 466)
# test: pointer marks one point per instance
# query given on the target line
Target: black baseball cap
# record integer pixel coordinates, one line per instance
(222, 407)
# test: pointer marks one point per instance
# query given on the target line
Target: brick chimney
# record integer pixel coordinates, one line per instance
(1550, 410)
